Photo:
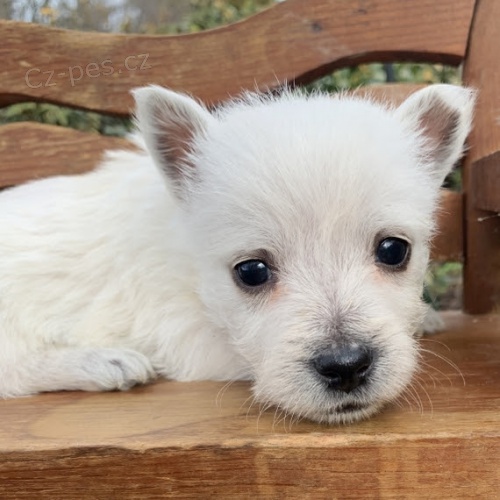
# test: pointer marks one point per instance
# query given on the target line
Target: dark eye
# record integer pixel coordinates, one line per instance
(253, 272)
(393, 252)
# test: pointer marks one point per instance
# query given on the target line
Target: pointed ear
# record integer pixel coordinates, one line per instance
(441, 115)
(170, 124)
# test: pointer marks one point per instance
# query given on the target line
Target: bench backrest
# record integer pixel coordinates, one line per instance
(295, 41)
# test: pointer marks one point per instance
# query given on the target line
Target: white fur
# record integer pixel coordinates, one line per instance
(111, 277)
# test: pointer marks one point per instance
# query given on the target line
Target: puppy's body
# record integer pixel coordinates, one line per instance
(109, 278)
(83, 272)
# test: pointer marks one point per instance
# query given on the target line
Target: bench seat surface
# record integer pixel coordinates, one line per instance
(207, 439)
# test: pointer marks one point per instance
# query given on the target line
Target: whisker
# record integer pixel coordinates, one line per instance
(222, 391)
(420, 375)
(427, 339)
(253, 401)
(404, 396)
(425, 364)
(295, 419)
(422, 387)
(282, 417)
(262, 410)
(447, 361)
(415, 396)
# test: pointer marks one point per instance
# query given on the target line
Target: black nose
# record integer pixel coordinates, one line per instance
(344, 367)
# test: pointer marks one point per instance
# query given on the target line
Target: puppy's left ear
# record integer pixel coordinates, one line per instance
(171, 123)
(441, 115)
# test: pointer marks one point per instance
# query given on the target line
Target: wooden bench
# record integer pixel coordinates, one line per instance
(205, 440)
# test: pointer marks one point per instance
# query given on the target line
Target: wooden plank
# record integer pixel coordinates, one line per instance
(448, 243)
(202, 440)
(25, 156)
(482, 71)
(294, 41)
(485, 174)
(33, 151)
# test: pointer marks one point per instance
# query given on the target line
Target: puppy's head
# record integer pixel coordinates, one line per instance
(310, 220)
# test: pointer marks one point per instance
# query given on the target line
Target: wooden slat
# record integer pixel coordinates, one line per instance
(33, 151)
(485, 175)
(26, 156)
(296, 40)
(448, 244)
(202, 440)
(482, 71)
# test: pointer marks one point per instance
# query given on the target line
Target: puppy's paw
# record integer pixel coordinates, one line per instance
(108, 369)
(433, 323)
(75, 369)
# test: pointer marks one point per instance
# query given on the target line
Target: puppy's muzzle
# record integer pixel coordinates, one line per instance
(344, 367)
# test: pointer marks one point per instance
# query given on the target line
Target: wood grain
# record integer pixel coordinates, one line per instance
(448, 243)
(33, 151)
(25, 157)
(482, 71)
(485, 180)
(91, 70)
(202, 440)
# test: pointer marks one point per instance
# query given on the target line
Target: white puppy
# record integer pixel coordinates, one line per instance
(281, 239)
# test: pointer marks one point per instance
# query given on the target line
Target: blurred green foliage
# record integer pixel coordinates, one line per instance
(65, 117)
(377, 73)
(444, 285)
(209, 14)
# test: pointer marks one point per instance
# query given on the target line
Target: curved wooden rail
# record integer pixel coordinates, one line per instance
(294, 41)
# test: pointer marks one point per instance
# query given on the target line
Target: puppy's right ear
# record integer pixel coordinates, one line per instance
(170, 124)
